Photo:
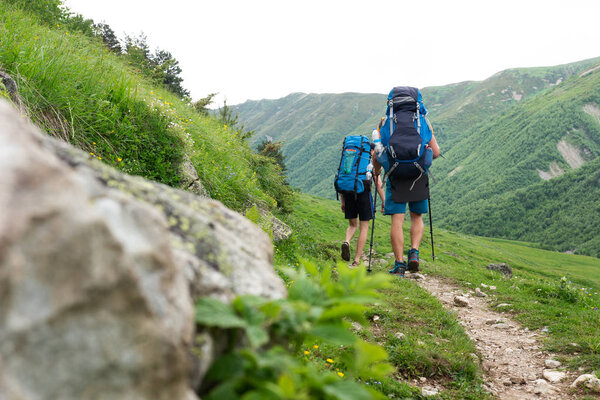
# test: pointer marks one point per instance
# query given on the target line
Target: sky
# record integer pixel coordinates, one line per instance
(267, 49)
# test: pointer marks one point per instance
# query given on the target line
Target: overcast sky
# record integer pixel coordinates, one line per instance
(256, 49)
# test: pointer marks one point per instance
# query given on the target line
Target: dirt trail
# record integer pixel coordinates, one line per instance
(512, 359)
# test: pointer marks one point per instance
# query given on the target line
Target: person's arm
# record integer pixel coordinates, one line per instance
(434, 147)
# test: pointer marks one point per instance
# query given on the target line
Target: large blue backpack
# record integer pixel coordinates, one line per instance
(352, 177)
(405, 135)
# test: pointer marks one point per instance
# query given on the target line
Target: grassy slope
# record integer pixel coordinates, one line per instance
(79, 92)
(483, 197)
(436, 346)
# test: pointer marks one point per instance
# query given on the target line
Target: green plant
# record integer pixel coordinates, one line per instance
(268, 356)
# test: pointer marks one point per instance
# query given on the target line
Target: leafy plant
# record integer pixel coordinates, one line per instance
(267, 356)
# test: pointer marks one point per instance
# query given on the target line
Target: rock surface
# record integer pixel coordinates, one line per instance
(589, 381)
(503, 268)
(99, 272)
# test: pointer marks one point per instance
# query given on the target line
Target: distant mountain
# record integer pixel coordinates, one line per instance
(501, 136)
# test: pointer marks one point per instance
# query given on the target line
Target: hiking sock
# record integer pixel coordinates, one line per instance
(413, 260)
(399, 268)
(346, 251)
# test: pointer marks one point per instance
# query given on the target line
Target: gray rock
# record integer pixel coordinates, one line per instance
(429, 391)
(503, 268)
(589, 381)
(400, 336)
(461, 301)
(542, 387)
(279, 230)
(553, 376)
(479, 293)
(99, 272)
(190, 179)
(551, 364)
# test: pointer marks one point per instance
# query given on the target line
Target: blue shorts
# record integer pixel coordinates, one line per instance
(391, 207)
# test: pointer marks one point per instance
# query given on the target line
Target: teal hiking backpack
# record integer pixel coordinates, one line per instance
(354, 172)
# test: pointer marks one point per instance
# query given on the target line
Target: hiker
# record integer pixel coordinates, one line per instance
(358, 211)
(400, 155)
(353, 184)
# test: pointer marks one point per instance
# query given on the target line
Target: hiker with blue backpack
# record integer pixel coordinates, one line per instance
(353, 185)
(405, 148)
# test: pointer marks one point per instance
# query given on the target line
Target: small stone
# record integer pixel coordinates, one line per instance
(483, 285)
(507, 382)
(544, 329)
(553, 376)
(356, 326)
(461, 301)
(542, 387)
(518, 380)
(552, 364)
(423, 379)
(415, 276)
(492, 287)
(429, 392)
(493, 321)
(400, 336)
(502, 305)
(375, 318)
(590, 381)
(479, 293)
(502, 325)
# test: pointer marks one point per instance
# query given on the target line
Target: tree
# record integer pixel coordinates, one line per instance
(202, 105)
(108, 36)
(272, 149)
(167, 71)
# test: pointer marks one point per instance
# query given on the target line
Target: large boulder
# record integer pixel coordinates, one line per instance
(99, 272)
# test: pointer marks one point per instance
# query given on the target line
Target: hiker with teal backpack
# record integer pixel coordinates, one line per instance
(405, 148)
(353, 185)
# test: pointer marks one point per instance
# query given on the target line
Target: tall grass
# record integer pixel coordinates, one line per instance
(78, 91)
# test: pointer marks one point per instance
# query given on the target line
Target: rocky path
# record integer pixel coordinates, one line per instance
(515, 366)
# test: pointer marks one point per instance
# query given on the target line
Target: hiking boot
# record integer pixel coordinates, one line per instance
(399, 269)
(346, 251)
(355, 264)
(413, 260)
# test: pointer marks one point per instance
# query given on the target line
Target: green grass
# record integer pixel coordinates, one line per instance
(75, 89)
(435, 346)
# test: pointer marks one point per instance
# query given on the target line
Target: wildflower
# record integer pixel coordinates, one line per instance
(99, 158)
(119, 159)
(92, 154)
(341, 374)
(316, 346)
(330, 361)
(306, 352)
(36, 38)
(93, 142)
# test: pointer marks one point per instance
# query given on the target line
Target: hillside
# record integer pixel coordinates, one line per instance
(475, 123)
(507, 172)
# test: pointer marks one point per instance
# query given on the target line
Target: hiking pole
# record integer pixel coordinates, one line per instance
(431, 228)
(373, 211)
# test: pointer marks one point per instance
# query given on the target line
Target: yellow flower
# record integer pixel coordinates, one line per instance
(92, 154)
(316, 346)
(99, 158)
(36, 38)
(93, 142)
(119, 159)
(341, 374)
(306, 352)
(330, 361)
